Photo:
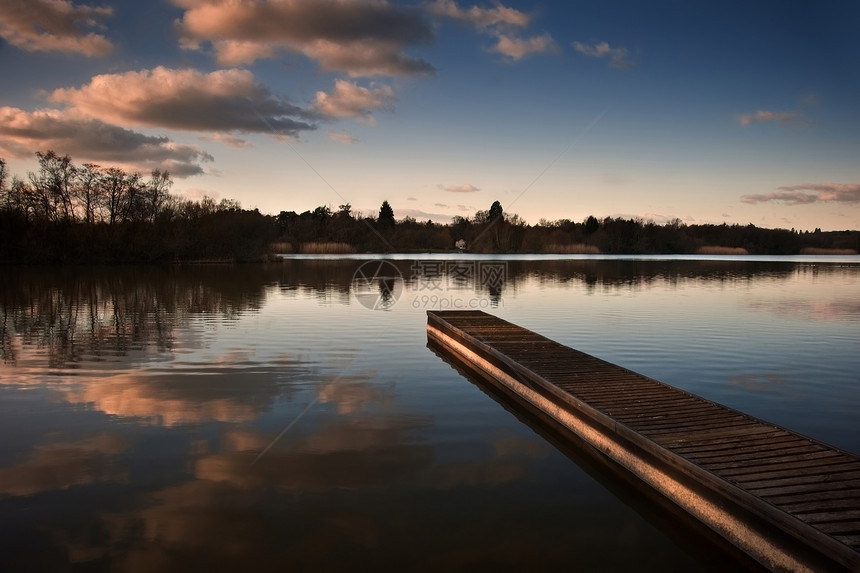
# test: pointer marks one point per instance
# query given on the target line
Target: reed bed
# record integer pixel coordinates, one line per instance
(327, 248)
(574, 249)
(817, 251)
(717, 250)
(280, 247)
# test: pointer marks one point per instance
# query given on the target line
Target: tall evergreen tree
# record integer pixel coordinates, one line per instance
(495, 211)
(386, 215)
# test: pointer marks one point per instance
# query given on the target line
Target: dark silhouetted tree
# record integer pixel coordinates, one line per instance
(88, 192)
(52, 186)
(4, 175)
(386, 215)
(157, 193)
(495, 211)
(322, 213)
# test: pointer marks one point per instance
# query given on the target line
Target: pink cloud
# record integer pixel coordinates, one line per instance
(22, 133)
(229, 140)
(342, 137)
(502, 23)
(821, 192)
(361, 38)
(465, 188)
(764, 115)
(54, 26)
(518, 48)
(349, 100)
(186, 99)
(481, 17)
(618, 57)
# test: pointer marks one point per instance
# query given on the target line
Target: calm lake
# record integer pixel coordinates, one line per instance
(291, 417)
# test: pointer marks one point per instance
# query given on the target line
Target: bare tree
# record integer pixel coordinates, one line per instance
(88, 192)
(111, 193)
(4, 174)
(23, 197)
(14, 198)
(53, 185)
(157, 193)
(134, 205)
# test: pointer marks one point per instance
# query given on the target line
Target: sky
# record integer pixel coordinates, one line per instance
(706, 111)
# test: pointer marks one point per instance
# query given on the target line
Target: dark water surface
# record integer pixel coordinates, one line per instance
(263, 418)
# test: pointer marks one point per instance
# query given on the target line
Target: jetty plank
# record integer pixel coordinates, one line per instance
(787, 500)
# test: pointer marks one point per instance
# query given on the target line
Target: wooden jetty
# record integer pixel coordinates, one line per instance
(788, 501)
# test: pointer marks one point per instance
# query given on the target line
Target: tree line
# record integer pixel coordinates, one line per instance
(61, 192)
(68, 213)
(496, 231)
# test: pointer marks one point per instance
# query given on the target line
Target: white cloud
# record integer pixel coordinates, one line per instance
(186, 99)
(421, 215)
(764, 115)
(820, 193)
(54, 26)
(22, 133)
(657, 218)
(349, 100)
(618, 57)
(465, 188)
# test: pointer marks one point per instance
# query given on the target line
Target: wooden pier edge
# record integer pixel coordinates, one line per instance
(772, 537)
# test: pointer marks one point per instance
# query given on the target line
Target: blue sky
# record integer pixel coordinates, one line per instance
(709, 112)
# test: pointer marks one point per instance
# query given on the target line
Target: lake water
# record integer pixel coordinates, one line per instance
(265, 418)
